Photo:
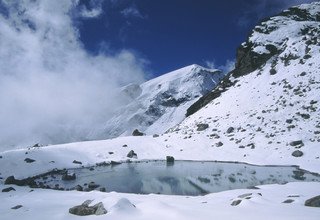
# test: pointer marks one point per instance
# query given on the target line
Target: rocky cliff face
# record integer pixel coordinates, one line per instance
(292, 35)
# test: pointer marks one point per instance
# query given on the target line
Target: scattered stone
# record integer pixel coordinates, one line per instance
(245, 195)
(102, 189)
(155, 135)
(76, 162)
(272, 71)
(202, 127)
(296, 143)
(8, 189)
(0, 157)
(313, 202)
(305, 116)
(84, 209)
(297, 153)
(17, 207)
(230, 130)
(303, 74)
(78, 188)
(113, 163)
(219, 144)
(289, 121)
(251, 145)
(136, 132)
(132, 154)
(111, 152)
(124, 145)
(170, 159)
(288, 201)
(236, 202)
(313, 102)
(68, 177)
(92, 185)
(28, 160)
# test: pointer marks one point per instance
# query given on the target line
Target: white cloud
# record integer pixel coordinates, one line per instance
(51, 89)
(132, 11)
(226, 68)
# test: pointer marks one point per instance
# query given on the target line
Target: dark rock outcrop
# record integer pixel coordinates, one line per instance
(170, 159)
(202, 127)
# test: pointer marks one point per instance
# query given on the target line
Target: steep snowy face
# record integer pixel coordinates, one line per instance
(270, 102)
(158, 104)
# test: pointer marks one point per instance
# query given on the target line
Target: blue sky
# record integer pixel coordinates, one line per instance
(170, 34)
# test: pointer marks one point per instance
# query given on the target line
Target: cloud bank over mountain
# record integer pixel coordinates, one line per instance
(51, 89)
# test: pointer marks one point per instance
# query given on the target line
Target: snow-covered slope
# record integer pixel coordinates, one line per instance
(270, 104)
(160, 103)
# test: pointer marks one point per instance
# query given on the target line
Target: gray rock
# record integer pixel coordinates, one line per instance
(78, 188)
(245, 195)
(93, 185)
(155, 135)
(84, 209)
(68, 177)
(288, 201)
(230, 130)
(136, 132)
(102, 189)
(296, 143)
(313, 202)
(132, 154)
(219, 144)
(236, 202)
(8, 189)
(17, 207)
(76, 162)
(170, 159)
(28, 160)
(297, 153)
(202, 127)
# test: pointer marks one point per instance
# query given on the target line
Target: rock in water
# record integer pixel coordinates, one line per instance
(170, 159)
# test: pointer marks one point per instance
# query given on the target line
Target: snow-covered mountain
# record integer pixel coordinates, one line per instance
(160, 103)
(270, 103)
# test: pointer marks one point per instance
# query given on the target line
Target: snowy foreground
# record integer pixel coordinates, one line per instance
(264, 203)
(51, 204)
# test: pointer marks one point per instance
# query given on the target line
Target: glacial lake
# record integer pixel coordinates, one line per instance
(179, 178)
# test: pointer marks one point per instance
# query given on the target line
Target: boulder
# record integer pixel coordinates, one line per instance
(84, 209)
(132, 154)
(313, 202)
(296, 143)
(236, 202)
(68, 177)
(136, 132)
(202, 127)
(170, 159)
(17, 207)
(28, 160)
(297, 153)
(8, 189)
(230, 130)
(76, 162)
